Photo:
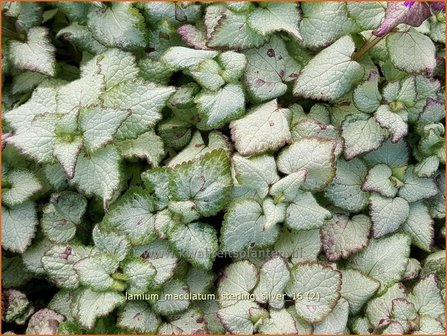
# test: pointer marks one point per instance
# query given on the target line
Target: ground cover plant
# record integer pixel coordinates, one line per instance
(241, 168)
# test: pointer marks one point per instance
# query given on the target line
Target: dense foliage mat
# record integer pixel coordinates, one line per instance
(241, 168)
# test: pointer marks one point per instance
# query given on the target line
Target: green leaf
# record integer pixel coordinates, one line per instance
(27, 14)
(432, 141)
(331, 73)
(231, 31)
(148, 146)
(98, 173)
(346, 189)
(273, 277)
(67, 152)
(412, 270)
(222, 106)
(426, 297)
(155, 71)
(91, 305)
(199, 280)
(175, 133)
(140, 274)
(419, 226)
(429, 325)
(233, 65)
(269, 69)
(26, 82)
(96, 272)
(189, 322)
(335, 322)
(304, 213)
(395, 123)
(417, 188)
(44, 322)
(392, 327)
(411, 51)
(314, 155)
(434, 111)
(387, 214)
(70, 204)
(257, 172)
(263, 128)
(207, 182)
(185, 211)
(357, 289)
(161, 257)
(404, 312)
(105, 66)
(280, 321)
(390, 154)
(362, 134)
(378, 310)
(193, 36)
(157, 182)
(275, 17)
(134, 216)
(335, 231)
(209, 309)
(403, 91)
(18, 226)
(196, 242)
(75, 95)
(289, 186)
(22, 185)
(98, 125)
(206, 73)
(172, 12)
(62, 215)
(75, 11)
(119, 25)
(14, 273)
(367, 15)
(185, 58)
(360, 325)
(15, 304)
(168, 304)
(240, 277)
(143, 100)
(244, 226)
(323, 281)
(111, 243)
(299, 246)
(33, 255)
(36, 54)
(275, 212)
(237, 319)
(378, 180)
(437, 203)
(437, 29)
(384, 259)
(366, 97)
(59, 262)
(198, 147)
(81, 37)
(311, 128)
(332, 21)
(138, 317)
(36, 140)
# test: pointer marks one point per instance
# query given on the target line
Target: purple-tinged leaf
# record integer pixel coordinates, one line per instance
(409, 12)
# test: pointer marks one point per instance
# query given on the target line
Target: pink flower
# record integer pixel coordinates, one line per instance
(410, 12)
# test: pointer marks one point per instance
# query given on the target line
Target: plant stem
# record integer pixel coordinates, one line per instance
(11, 34)
(368, 45)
